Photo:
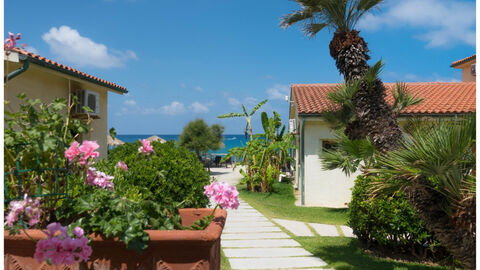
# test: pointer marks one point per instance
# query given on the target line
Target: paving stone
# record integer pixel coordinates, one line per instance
(298, 228)
(324, 229)
(251, 229)
(276, 263)
(260, 243)
(240, 236)
(246, 214)
(264, 252)
(250, 224)
(245, 219)
(347, 231)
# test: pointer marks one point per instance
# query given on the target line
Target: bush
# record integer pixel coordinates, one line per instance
(170, 175)
(389, 222)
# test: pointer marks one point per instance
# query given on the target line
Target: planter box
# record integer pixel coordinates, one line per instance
(176, 249)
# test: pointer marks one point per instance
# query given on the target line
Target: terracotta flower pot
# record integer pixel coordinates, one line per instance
(175, 249)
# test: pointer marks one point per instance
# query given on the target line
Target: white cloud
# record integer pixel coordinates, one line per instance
(197, 107)
(173, 108)
(409, 77)
(31, 49)
(130, 102)
(443, 22)
(278, 91)
(233, 101)
(267, 77)
(183, 85)
(68, 45)
(251, 100)
(199, 89)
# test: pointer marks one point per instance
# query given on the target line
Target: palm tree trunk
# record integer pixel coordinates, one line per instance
(374, 117)
(459, 240)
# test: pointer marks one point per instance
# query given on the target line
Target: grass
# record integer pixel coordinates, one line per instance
(339, 252)
(346, 253)
(225, 264)
(281, 204)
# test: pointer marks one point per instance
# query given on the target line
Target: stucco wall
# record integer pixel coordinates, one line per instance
(327, 188)
(46, 85)
(466, 74)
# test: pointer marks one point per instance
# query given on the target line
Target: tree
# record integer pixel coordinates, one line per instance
(199, 137)
(374, 118)
(248, 116)
(113, 133)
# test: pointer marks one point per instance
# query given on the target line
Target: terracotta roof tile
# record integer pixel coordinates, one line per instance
(438, 97)
(461, 61)
(69, 70)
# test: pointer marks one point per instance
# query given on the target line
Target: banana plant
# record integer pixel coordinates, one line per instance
(248, 116)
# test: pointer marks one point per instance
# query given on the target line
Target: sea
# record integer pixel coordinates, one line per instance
(230, 141)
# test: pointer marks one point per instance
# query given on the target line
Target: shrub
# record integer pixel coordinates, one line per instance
(170, 175)
(389, 222)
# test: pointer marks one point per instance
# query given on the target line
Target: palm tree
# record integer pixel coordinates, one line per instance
(435, 167)
(374, 118)
(248, 116)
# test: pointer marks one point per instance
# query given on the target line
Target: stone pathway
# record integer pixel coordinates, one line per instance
(251, 241)
(299, 228)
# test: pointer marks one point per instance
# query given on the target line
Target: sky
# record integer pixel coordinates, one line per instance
(182, 60)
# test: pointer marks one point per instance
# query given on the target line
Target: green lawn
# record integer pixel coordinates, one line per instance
(346, 253)
(338, 252)
(225, 265)
(281, 204)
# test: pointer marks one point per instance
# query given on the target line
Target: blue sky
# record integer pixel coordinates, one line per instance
(200, 58)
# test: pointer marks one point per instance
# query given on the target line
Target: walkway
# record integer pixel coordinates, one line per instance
(251, 241)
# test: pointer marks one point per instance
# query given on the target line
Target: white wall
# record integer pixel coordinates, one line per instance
(327, 188)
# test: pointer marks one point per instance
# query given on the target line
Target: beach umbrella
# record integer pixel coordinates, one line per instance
(113, 142)
(156, 138)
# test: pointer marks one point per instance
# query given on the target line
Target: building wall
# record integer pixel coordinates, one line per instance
(466, 74)
(326, 188)
(46, 85)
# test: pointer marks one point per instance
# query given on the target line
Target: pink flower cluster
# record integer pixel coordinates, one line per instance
(222, 194)
(122, 165)
(82, 153)
(99, 179)
(11, 41)
(28, 209)
(60, 248)
(146, 147)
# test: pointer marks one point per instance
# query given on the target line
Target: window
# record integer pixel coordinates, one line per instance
(329, 145)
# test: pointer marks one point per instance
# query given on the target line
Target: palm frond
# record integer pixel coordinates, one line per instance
(372, 74)
(402, 98)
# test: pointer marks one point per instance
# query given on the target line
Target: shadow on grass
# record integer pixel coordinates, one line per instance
(346, 253)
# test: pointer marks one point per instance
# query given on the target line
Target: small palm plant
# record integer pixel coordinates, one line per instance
(435, 167)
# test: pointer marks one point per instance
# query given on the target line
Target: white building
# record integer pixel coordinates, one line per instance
(332, 188)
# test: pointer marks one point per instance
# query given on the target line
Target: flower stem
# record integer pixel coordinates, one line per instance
(25, 231)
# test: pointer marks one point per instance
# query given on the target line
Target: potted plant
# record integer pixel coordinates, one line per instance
(96, 221)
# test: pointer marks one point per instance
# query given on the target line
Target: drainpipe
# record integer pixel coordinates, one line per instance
(302, 160)
(15, 73)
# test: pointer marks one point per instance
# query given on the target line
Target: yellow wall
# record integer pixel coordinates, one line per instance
(466, 74)
(46, 85)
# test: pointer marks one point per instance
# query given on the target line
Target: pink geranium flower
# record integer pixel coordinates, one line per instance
(146, 147)
(11, 41)
(222, 194)
(122, 165)
(27, 208)
(84, 153)
(99, 179)
(72, 152)
(60, 248)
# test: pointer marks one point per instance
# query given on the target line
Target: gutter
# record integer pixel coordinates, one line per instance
(15, 73)
(302, 159)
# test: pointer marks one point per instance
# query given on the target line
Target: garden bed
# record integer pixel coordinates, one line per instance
(175, 249)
